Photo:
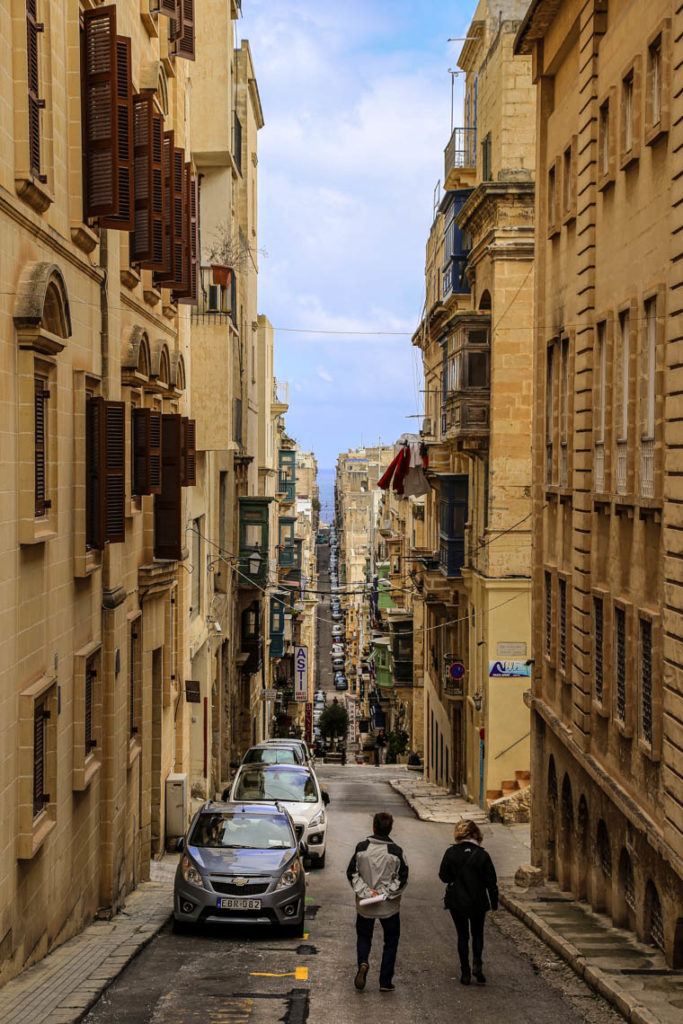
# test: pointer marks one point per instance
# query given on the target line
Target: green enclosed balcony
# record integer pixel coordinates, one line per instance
(287, 476)
(253, 568)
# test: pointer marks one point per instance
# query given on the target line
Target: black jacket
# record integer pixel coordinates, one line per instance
(470, 878)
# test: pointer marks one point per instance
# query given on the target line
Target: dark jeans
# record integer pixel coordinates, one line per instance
(392, 931)
(463, 924)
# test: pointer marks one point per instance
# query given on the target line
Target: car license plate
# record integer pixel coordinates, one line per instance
(229, 903)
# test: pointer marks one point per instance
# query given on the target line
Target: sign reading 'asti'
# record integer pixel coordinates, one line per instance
(301, 673)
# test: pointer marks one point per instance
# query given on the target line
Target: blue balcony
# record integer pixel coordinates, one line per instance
(453, 516)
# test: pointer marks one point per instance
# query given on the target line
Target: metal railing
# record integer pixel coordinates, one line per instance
(647, 467)
(622, 464)
(281, 392)
(461, 150)
(564, 463)
(599, 466)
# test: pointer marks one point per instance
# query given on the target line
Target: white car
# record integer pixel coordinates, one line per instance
(294, 786)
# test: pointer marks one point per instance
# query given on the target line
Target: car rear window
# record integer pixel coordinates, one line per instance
(225, 830)
(272, 755)
(276, 784)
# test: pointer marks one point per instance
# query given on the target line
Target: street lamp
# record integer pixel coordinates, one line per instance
(254, 561)
(478, 700)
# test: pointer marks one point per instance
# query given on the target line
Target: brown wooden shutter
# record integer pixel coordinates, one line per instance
(183, 33)
(39, 399)
(39, 717)
(125, 155)
(167, 7)
(146, 451)
(188, 295)
(189, 453)
(168, 504)
(100, 113)
(178, 223)
(148, 241)
(35, 104)
(115, 525)
(167, 211)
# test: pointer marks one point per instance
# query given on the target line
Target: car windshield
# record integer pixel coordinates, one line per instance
(277, 784)
(228, 831)
(272, 755)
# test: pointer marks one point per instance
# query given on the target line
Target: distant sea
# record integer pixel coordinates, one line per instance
(326, 486)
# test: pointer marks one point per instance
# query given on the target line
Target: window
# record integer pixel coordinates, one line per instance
(189, 442)
(40, 716)
(549, 412)
(105, 472)
(548, 614)
(627, 105)
(87, 715)
(657, 84)
(183, 30)
(150, 240)
(650, 367)
(42, 503)
(646, 680)
(600, 388)
(622, 402)
(562, 600)
(486, 170)
(552, 201)
(237, 141)
(197, 568)
(35, 104)
(598, 651)
(89, 736)
(606, 140)
(604, 849)
(620, 662)
(569, 182)
(564, 411)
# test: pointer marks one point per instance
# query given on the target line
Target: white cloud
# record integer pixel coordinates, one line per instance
(324, 375)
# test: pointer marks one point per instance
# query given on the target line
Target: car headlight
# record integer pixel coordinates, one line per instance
(317, 819)
(190, 873)
(290, 876)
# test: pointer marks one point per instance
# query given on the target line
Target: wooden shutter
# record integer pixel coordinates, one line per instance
(35, 104)
(125, 152)
(115, 503)
(148, 241)
(167, 7)
(105, 472)
(189, 453)
(183, 33)
(40, 399)
(189, 294)
(40, 714)
(168, 503)
(146, 451)
(177, 221)
(99, 113)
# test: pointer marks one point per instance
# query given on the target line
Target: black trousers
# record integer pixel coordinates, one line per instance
(391, 927)
(464, 923)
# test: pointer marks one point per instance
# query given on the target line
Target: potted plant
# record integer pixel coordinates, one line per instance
(221, 274)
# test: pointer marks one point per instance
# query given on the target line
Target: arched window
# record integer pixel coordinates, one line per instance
(654, 925)
(567, 806)
(552, 783)
(485, 300)
(604, 849)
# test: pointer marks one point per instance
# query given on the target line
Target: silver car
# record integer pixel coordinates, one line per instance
(240, 864)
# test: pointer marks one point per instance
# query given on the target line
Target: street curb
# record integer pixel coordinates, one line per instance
(120, 968)
(630, 1009)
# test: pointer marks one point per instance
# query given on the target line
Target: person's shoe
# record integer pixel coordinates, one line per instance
(465, 975)
(387, 988)
(478, 972)
(361, 975)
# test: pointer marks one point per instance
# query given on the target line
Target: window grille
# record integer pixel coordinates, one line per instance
(628, 883)
(620, 661)
(646, 678)
(562, 591)
(656, 922)
(39, 745)
(598, 622)
(548, 613)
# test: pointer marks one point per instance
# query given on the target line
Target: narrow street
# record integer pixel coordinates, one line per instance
(213, 977)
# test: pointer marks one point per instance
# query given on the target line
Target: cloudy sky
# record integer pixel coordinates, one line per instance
(356, 100)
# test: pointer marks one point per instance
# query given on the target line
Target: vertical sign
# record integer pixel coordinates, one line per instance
(309, 723)
(301, 673)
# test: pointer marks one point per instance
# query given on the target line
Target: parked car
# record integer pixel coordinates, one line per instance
(337, 616)
(338, 664)
(268, 753)
(320, 694)
(338, 649)
(337, 629)
(291, 742)
(297, 788)
(226, 846)
(341, 683)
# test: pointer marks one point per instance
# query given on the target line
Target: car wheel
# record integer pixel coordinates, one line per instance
(180, 927)
(319, 862)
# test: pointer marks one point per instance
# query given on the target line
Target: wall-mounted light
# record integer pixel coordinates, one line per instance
(478, 700)
(254, 561)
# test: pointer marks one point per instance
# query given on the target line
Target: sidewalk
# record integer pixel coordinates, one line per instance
(631, 976)
(62, 987)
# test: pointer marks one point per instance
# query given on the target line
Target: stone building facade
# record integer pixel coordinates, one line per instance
(607, 696)
(477, 357)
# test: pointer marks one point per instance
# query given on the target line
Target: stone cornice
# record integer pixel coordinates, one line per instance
(483, 209)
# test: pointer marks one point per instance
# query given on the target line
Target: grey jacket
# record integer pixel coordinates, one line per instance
(378, 864)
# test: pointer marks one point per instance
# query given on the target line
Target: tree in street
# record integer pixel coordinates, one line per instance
(334, 721)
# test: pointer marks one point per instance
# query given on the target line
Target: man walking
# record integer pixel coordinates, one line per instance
(378, 874)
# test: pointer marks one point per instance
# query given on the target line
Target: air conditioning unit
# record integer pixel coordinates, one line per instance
(427, 427)
(176, 804)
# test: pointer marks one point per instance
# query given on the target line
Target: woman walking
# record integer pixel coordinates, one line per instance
(471, 890)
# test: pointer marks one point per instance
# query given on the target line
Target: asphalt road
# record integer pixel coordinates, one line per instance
(228, 976)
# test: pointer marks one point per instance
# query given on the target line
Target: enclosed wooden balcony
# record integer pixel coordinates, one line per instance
(468, 397)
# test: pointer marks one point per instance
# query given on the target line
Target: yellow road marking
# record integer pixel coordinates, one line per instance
(300, 974)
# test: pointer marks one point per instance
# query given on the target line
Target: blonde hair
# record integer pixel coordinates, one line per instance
(467, 829)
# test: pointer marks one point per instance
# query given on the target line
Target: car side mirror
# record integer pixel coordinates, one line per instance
(303, 849)
(326, 797)
(225, 796)
(180, 844)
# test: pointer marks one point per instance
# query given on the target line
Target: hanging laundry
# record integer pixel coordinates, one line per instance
(397, 470)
